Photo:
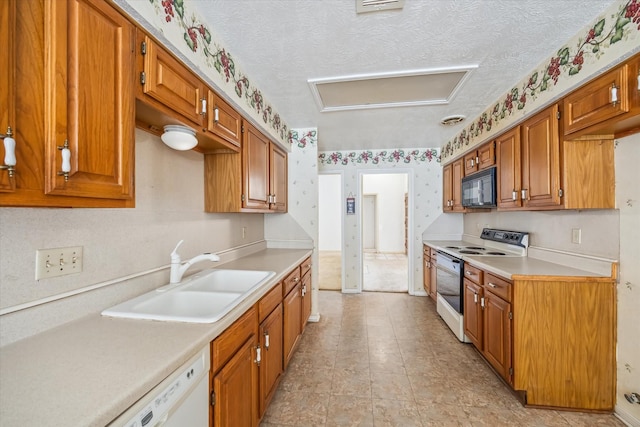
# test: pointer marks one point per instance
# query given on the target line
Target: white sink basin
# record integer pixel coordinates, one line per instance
(203, 298)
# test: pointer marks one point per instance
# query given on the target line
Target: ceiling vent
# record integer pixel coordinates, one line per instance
(364, 6)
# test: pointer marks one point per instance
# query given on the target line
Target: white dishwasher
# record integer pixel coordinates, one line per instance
(180, 400)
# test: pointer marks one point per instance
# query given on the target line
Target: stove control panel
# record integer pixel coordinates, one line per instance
(518, 238)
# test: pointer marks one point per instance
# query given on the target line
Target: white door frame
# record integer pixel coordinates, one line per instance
(410, 230)
(342, 218)
(374, 197)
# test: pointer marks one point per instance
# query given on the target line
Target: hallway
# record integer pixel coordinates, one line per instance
(381, 272)
(387, 359)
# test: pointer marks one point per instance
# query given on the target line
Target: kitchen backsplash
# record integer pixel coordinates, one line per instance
(117, 243)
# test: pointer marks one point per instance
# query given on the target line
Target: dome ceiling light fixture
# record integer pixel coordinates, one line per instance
(452, 120)
(180, 138)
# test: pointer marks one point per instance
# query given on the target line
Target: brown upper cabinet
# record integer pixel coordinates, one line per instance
(224, 123)
(609, 104)
(254, 180)
(170, 93)
(87, 107)
(529, 164)
(480, 159)
(452, 175)
(7, 94)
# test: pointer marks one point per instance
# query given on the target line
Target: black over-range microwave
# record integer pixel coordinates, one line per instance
(479, 189)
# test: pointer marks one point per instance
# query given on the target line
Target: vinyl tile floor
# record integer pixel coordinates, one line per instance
(387, 359)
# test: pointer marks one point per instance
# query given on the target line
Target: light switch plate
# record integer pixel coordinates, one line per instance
(58, 262)
(576, 235)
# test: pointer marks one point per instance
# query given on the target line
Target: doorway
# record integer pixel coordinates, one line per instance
(384, 228)
(330, 232)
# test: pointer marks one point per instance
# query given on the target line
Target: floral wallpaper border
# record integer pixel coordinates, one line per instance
(376, 157)
(303, 137)
(197, 38)
(622, 26)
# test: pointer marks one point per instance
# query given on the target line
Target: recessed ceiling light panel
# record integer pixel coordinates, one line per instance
(396, 89)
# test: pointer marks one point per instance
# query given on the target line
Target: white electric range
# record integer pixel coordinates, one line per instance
(450, 267)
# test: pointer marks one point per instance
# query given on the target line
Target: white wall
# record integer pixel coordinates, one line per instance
(117, 242)
(389, 190)
(331, 206)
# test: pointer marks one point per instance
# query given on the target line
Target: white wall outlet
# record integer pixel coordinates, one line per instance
(576, 235)
(58, 262)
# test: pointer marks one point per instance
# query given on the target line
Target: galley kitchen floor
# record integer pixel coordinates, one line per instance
(387, 359)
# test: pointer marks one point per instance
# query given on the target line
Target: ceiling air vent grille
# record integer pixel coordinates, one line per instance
(364, 6)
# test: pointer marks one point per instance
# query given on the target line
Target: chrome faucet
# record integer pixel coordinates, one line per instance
(178, 268)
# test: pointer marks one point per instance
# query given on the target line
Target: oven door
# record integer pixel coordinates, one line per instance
(449, 281)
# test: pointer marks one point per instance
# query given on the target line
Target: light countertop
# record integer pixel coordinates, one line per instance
(511, 267)
(89, 371)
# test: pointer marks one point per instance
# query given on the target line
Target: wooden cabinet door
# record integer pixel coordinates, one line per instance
(447, 195)
(271, 367)
(433, 277)
(255, 166)
(7, 87)
(171, 84)
(497, 334)
(292, 306)
(471, 163)
(306, 301)
(594, 103)
(89, 99)
(223, 122)
(541, 160)
(487, 155)
(457, 173)
(426, 271)
(473, 294)
(277, 178)
(235, 389)
(508, 163)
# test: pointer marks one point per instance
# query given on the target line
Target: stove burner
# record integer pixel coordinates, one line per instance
(464, 251)
(452, 247)
(475, 248)
(495, 253)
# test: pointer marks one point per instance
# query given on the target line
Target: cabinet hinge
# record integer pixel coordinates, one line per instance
(511, 315)
(560, 192)
(511, 371)
(242, 129)
(143, 78)
(558, 115)
(143, 48)
(242, 198)
(213, 398)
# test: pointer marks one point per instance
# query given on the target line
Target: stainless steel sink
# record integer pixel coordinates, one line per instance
(205, 297)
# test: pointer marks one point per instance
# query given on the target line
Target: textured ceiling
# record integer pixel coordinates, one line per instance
(281, 44)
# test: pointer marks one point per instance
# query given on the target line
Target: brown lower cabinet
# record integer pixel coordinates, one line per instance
(249, 357)
(552, 339)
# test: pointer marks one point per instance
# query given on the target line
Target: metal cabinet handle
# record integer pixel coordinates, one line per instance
(514, 195)
(216, 115)
(482, 302)
(475, 298)
(469, 273)
(523, 192)
(266, 340)
(258, 355)
(492, 285)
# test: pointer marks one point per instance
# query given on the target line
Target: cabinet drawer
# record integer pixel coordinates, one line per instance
(270, 301)
(226, 345)
(305, 266)
(291, 281)
(497, 285)
(473, 273)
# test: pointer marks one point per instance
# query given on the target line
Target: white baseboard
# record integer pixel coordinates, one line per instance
(626, 417)
(314, 318)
